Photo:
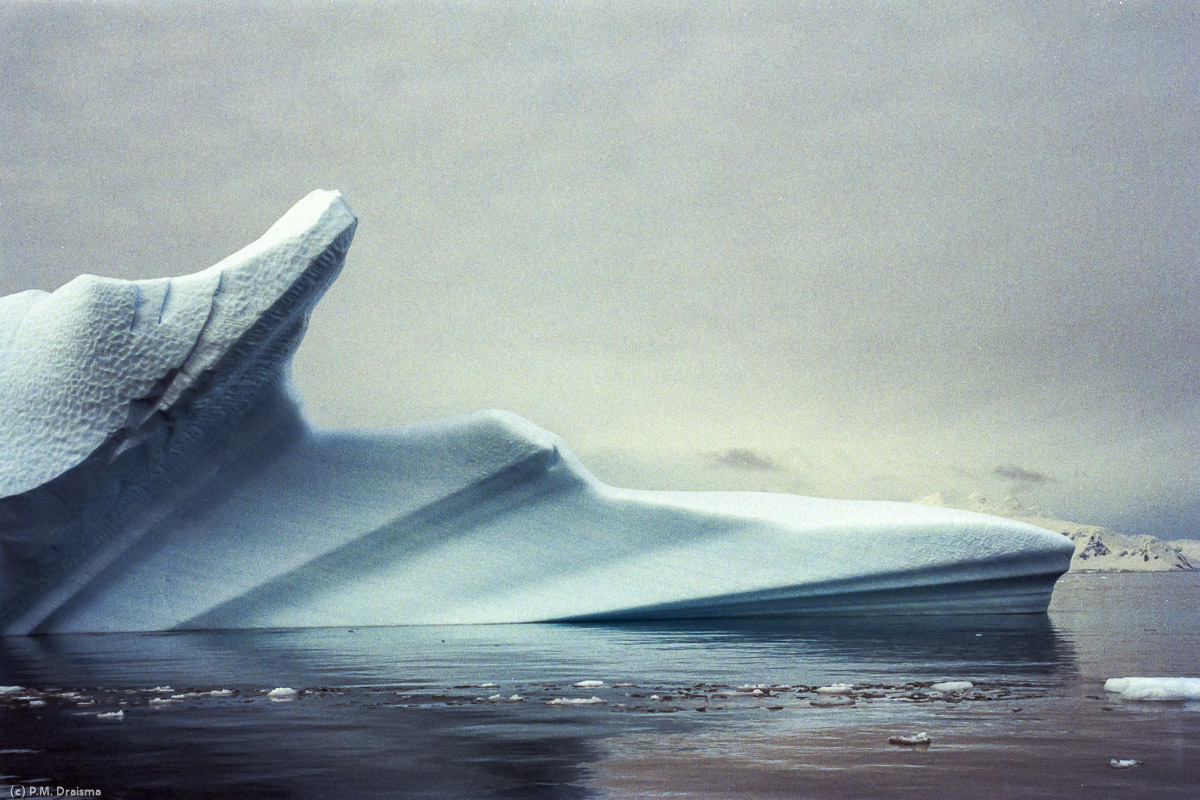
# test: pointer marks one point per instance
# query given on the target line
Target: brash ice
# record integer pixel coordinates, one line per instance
(156, 473)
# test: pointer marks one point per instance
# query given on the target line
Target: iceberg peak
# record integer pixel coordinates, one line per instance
(83, 367)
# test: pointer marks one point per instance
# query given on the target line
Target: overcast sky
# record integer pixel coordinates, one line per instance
(850, 250)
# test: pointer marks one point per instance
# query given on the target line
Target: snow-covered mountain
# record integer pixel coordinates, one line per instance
(1097, 549)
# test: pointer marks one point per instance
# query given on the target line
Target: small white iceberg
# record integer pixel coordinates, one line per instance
(589, 684)
(1163, 690)
(831, 700)
(11, 689)
(282, 694)
(113, 715)
(1124, 763)
(952, 686)
(221, 693)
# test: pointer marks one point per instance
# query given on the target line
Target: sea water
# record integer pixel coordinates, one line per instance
(703, 709)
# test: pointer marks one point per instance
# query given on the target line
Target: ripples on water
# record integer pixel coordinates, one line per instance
(403, 712)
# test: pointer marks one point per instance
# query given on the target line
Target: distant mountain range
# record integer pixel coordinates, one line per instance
(1097, 549)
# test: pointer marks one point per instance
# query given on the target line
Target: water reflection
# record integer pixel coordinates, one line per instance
(785, 651)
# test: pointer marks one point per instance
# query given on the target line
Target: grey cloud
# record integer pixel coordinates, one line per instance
(745, 458)
(1013, 472)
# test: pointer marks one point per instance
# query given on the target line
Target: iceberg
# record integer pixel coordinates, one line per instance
(157, 473)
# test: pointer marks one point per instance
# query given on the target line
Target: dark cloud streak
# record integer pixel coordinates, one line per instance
(745, 458)
(1019, 474)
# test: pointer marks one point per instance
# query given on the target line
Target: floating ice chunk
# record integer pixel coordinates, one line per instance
(489, 686)
(835, 688)
(830, 700)
(1165, 690)
(11, 689)
(162, 701)
(282, 693)
(162, 689)
(575, 701)
(221, 693)
(1124, 763)
(114, 715)
(952, 686)
(589, 684)
(916, 740)
(499, 698)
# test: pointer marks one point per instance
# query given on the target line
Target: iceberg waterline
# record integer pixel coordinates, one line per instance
(156, 473)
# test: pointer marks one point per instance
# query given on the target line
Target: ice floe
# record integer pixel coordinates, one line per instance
(1166, 690)
(952, 686)
(575, 701)
(915, 740)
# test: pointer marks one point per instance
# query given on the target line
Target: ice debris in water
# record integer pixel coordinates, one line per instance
(1155, 689)
(952, 686)
(589, 684)
(499, 698)
(117, 715)
(836, 688)
(916, 740)
(282, 693)
(11, 689)
(574, 701)
(1124, 763)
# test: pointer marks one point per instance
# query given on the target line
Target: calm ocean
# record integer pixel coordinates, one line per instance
(711, 709)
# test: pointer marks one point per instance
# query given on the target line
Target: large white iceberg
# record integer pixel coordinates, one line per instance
(156, 473)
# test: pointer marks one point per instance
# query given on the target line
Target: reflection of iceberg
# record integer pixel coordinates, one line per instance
(155, 473)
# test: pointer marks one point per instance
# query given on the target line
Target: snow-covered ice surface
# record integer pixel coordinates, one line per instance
(156, 473)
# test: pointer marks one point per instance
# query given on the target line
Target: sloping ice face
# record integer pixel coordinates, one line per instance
(156, 473)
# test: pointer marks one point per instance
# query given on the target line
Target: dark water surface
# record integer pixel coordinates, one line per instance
(405, 712)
